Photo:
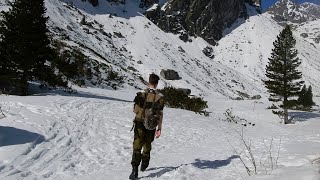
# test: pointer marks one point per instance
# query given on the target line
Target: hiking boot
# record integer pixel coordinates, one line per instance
(144, 166)
(134, 173)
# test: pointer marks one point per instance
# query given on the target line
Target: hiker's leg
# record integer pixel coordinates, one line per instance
(138, 143)
(147, 149)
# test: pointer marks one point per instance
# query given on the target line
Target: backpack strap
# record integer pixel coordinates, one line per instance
(145, 99)
(154, 100)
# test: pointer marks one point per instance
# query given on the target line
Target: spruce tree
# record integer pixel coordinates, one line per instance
(24, 44)
(284, 80)
(302, 94)
(308, 101)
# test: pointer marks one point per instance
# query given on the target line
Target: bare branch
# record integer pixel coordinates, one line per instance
(278, 154)
(2, 115)
(242, 161)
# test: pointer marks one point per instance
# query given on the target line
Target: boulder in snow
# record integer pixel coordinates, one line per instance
(170, 74)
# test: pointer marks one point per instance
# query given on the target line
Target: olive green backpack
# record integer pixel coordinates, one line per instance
(148, 106)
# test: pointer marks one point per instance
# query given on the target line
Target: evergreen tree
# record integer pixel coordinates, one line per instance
(308, 101)
(24, 44)
(284, 80)
(302, 94)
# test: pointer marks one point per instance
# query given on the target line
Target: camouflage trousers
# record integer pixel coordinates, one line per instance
(142, 140)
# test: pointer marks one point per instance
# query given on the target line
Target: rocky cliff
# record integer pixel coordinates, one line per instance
(204, 18)
(287, 11)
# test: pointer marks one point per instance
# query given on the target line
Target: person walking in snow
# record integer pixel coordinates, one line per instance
(148, 107)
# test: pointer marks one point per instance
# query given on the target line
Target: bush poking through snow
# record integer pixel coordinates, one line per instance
(273, 106)
(176, 98)
(2, 114)
(81, 70)
(208, 51)
(229, 117)
(252, 162)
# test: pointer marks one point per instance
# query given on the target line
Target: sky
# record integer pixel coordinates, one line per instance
(268, 3)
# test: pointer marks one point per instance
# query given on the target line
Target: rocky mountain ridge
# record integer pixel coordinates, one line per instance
(288, 11)
(206, 19)
(189, 18)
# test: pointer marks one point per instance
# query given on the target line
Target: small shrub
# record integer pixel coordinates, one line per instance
(79, 69)
(273, 106)
(176, 98)
(115, 76)
(208, 51)
(229, 117)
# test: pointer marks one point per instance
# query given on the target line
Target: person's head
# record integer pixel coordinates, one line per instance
(153, 80)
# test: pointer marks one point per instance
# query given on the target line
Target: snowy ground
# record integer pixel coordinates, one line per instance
(87, 136)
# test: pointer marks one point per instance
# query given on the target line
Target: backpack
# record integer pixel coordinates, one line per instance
(148, 107)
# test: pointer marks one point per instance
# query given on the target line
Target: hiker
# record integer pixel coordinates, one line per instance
(148, 107)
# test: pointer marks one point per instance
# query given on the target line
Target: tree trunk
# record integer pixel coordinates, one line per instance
(285, 110)
(24, 86)
(285, 113)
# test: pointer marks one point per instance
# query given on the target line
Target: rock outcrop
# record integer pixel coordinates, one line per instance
(94, 2)
(170, 74)
(204, 18)
(288, 11)
(147, 3)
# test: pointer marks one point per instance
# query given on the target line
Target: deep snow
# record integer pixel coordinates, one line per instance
(87, 135)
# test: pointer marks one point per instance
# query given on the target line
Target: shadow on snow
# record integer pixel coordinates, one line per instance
(303, 116)
(13, 136)
(36, 91)
(201, 164)
(93, 96)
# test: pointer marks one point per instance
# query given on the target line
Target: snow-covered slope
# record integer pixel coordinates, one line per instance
(291, 11)
(239, 60)
(310, 31)
(125, 40)
(121, 37)
(87, 136)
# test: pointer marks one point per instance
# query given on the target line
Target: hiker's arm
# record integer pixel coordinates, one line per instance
(160, 122)
(158, 132)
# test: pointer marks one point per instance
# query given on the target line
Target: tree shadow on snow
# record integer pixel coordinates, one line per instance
(13, 136)
(201, 164)
(93, 96)
(303, 116)
(35, 90)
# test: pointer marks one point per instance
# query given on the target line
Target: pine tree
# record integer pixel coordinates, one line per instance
(24, 44)
(302, 94)
(308, 101)
(284, 80)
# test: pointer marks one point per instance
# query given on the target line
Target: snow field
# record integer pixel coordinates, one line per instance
(87, 135)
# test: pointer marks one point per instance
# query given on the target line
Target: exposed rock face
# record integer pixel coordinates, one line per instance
(94, 2)
(143, 3)
(147, 3)
(286, 10)
(169, 74)
(204, 18)
(117, 1)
